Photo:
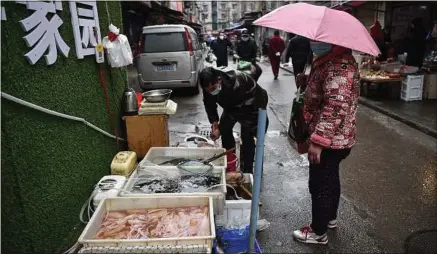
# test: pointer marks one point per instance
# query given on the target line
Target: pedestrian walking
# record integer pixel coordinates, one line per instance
(246, 51)
(330, 106)
(300, 51)
(220, 50)
(276, 47)
(241, 98)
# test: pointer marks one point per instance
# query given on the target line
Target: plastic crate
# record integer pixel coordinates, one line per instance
(413, 81)
(413, 94)
(159, 155)
(123, 203)
(218, 194)
(235, 241)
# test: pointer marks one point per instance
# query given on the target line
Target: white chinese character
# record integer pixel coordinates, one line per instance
(3, 14)
(85, 27)
(44, 34)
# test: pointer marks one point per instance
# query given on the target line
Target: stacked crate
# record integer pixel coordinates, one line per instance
(412, 88)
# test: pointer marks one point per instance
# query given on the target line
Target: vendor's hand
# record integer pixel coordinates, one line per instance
(214, 125)
(278, 54)
(314, 152)
(215, 134)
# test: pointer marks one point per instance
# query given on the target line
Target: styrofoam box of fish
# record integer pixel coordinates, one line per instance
(158, 155)
(239, 208)
(88, 236)
(217, 193)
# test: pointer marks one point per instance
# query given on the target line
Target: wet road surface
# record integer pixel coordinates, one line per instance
(388, 182)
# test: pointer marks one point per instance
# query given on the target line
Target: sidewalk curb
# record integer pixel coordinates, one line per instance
(428, 131)
(285, 69)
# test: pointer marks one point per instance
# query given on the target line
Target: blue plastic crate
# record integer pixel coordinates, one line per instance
(235, 241)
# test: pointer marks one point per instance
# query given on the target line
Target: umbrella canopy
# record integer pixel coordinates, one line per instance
(321, 24)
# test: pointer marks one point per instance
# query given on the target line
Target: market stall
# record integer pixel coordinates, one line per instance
(393, 80)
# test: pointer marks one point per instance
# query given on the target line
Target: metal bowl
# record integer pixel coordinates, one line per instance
(159, 95)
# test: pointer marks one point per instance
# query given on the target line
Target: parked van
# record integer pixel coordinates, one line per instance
(170, 57)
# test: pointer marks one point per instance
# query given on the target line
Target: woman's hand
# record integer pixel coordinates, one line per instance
(314, 152)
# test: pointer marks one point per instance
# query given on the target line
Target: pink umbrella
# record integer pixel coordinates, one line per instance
(321, 24)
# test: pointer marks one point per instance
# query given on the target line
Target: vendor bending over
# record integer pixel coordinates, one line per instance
(241, 98)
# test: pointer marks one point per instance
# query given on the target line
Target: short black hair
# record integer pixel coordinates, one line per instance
(208, 76)
(276, 32)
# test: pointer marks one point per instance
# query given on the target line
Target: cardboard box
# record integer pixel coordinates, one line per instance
(430, 86)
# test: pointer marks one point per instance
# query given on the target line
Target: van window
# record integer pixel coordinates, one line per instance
(164, 42)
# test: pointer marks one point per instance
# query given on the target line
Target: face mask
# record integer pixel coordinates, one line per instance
(320, 48)
(216, 91)
(245, 38)
(221, 37)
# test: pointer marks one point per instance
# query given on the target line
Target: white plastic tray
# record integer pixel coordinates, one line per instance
(158, 155)
(123, 203)
(218, 194)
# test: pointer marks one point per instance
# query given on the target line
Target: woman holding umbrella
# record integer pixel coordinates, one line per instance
(330, 102)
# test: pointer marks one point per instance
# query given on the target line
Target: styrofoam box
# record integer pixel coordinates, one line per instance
(239, 208)
(158, 155)
(218, 194)
(124, 203)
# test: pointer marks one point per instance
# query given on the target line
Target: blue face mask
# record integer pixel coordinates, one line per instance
(216, 91)
(320, 48)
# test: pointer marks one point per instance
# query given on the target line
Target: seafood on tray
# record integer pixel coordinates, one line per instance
(155, 223)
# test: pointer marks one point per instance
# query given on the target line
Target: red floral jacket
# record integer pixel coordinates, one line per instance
(331, 99)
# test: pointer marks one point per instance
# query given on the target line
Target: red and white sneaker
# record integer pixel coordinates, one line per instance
(332, 224)
(306, 235)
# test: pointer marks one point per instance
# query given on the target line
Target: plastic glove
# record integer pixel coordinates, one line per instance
(236, 56)
(278, 54)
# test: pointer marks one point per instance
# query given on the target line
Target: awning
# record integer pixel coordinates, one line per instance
(347, 4)
(158, 7)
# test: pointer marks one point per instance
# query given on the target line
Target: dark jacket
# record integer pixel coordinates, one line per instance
(239, 93)
(298, 49)
(276, 44)
(247, 50)
(220, 48)
(416, 44)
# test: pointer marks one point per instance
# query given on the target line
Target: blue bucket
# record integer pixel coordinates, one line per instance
(234, 241)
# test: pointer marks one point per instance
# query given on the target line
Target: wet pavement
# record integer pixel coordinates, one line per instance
(421, 115)
(388, 182)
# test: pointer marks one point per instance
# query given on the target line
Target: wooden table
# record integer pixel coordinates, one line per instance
(144, 132)
(392, 87)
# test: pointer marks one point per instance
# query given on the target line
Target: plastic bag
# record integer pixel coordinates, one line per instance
(119, 50)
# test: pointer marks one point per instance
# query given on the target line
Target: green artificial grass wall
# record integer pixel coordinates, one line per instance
(50, 164)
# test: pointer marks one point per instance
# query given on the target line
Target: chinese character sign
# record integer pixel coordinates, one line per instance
(43, 33)
(3, 13)
(86, 28)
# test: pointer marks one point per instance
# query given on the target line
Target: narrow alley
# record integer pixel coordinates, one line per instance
(388, 181)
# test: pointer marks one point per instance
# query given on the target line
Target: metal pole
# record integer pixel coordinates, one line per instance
(262, 117)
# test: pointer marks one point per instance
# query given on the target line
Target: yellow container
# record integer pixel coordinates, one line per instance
(123, 163)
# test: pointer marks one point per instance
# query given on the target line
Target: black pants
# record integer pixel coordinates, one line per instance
(324, 186)
(222, 61)
(248, 121)
(298, 67)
